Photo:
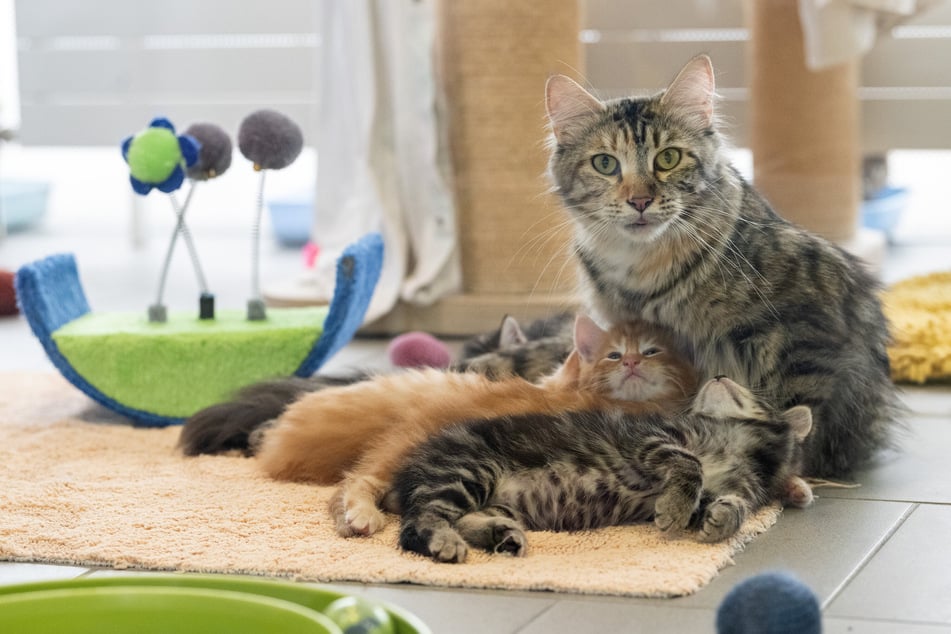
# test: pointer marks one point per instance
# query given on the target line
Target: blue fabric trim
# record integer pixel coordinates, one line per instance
(358, 271)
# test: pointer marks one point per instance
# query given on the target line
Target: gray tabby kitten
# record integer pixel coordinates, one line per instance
(484, 483)
(666, 230)
(531, 354)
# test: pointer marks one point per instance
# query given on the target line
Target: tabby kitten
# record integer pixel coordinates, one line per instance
(484, 483)
(508, 351)
(359, 433)
(666, 230)
(542, 347)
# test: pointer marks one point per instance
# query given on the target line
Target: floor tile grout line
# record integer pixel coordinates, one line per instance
(534, 618)
(869, 556)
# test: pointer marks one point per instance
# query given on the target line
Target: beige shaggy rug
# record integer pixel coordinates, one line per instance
(80, 486)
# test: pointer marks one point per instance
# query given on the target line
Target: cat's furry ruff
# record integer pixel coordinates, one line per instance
(357, 435)
(484, 483)
(667, 230)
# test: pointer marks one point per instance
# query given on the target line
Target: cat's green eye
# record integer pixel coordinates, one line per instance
(614, 356)
(667, 159)
(650, 352)
(605, 164)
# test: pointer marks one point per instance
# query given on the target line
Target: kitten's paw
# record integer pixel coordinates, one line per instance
(363, 518)
(722, 518)
(493, 533)
(447, 546)
(672, 512)
(510, 539)
(797, 492)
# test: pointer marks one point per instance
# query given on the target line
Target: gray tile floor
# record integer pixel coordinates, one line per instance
(878, 556)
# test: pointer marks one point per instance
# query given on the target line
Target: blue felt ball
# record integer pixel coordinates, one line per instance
(770, 603)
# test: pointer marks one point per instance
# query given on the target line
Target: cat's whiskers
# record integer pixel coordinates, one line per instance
(694, 231)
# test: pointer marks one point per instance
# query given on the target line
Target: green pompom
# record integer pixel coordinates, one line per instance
(153, 155)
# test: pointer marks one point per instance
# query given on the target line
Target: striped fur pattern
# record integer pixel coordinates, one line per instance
(483, 484)
(532, 353)
(357, 435)
(509, 351)
(666, 230)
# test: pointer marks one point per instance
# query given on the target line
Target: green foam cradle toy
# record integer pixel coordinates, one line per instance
(158, 374)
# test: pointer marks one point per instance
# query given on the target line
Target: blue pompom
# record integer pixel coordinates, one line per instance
(770, 603)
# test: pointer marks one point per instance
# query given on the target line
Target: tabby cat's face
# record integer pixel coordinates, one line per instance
(635, 168)
(723, 399)
(639, 362)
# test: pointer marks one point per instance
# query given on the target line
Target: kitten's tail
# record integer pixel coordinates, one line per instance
(231, 424)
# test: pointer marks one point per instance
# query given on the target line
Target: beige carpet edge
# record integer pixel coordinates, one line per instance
(77, 491)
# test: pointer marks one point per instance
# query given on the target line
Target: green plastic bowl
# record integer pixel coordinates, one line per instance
(155, 610)
(306, 596)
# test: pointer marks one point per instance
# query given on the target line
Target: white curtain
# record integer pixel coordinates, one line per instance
(837, 31)
(382, 162)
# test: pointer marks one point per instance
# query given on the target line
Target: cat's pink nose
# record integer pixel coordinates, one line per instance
(631, 362)
(640, 203)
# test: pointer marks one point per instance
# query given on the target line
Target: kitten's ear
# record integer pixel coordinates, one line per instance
(799, 419)
(567, 375)
(588, 337)
(510, 333)
(568, 105)
(692, 92)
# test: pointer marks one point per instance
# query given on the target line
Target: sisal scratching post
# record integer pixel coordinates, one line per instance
(493, 59)
(804, 126)
(496, 57)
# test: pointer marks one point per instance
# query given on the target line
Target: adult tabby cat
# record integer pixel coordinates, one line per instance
(359, 433)
(532, 354)
(484, 483)
(666, 230)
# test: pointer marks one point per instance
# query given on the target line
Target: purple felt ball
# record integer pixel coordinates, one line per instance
(269, 139)
(214, 157)
(418, 350)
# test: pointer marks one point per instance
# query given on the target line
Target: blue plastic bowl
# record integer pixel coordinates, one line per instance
(22, 203)
(885, 209)
(292, 220)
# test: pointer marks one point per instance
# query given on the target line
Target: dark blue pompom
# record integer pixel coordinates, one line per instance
(770, 603)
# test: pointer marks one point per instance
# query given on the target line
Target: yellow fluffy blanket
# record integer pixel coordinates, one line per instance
(919, 309)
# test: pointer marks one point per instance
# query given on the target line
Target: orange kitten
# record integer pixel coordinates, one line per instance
(360, 433)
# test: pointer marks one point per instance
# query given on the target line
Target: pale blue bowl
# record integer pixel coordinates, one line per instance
(22, 203)
(885, 210)
(291, 220)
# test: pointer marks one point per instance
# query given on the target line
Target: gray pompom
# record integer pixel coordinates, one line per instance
(269, 139)
(214, 158)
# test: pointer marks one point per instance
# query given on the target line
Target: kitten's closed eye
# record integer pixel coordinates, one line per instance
(614, 356)
(651, 352)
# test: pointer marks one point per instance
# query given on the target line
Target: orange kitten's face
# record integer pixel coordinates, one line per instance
(634, 362)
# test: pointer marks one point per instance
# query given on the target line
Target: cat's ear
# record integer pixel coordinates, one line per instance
(588, 337)
(692, 93)
(799, 418)
(510, 333)
(567, 375)
(568, 105)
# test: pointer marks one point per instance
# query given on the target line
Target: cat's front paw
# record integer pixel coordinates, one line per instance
(797, 492)
(510, 539)
(364, 519)
(722, 518)
(493, 533)
(447, 546)
(672, 512)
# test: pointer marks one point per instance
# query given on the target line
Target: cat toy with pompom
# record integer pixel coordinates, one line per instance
(159, 159)
(271, 141)
(160, 370)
